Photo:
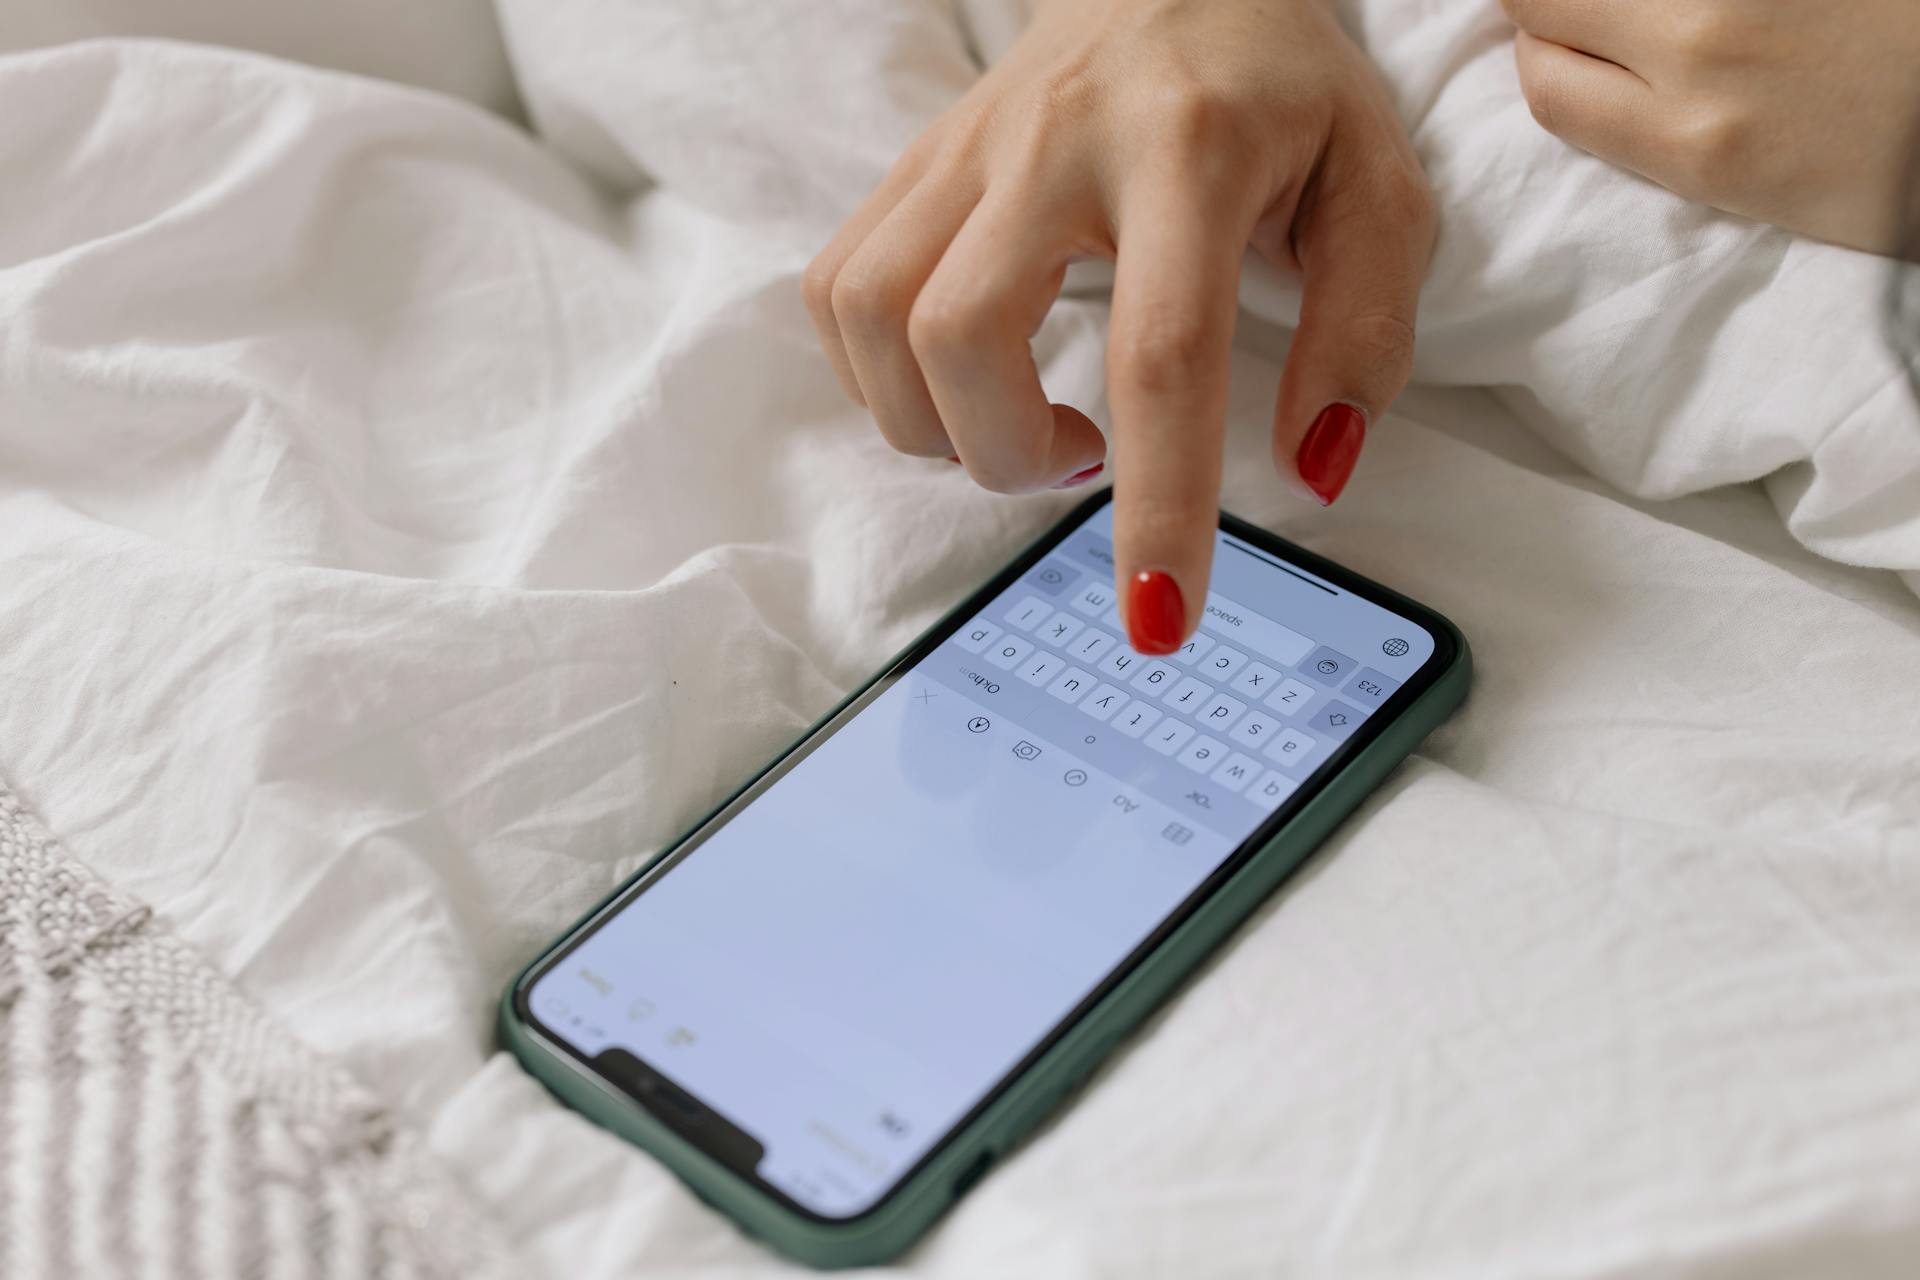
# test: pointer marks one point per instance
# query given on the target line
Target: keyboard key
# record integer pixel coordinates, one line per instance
(1271, 790)
(1039, 668)
(1256, 682)
(1220, 713)
(1122, 664)
(1328, 666)
(1156, 679)
(1029, 613)
(1193, 649)
(1237, 772)
(1091, 546)
(1094, 599)
(976, 636)
(1370, 689)
(1290, 747)
(1222, 664)
(1136, 718)
(1189, 695)
(1336, 719)
(1254, 732)
(1089, 646)
(1169, 736)
(1291, 698)
(1008, 652)
(1104, 701)
(1060, 628)
(1203, 755)
(1073, 685)
(1199, 798)
(1052, 576)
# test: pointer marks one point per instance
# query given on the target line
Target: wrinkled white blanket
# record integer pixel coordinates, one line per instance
(403, 537)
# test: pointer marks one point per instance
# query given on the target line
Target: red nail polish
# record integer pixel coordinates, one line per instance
(1081, 477)
(1156, 612)
(1331, 448)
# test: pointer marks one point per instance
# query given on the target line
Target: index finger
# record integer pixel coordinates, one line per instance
(1175, 297)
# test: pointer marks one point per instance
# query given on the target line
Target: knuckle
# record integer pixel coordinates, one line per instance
(1164, 519)
(866, 298)
(1162, 350)
(1198, 119)
(942, 321)
(1702, 34)
(816, 285)
(1171, 512)
(1383, 341)
(1713, 151)
(1065, 94)
(1029, 162)
(1406, 196)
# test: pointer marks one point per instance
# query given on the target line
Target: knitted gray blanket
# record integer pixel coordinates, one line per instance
(154, 1123)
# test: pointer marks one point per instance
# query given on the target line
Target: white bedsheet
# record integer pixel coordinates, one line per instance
(403, 539)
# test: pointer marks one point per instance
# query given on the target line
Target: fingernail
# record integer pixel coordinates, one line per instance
(1081, 477)
(1331, 448)
(955, 459)
(1156, 612)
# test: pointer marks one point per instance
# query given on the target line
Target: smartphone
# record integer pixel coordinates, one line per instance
(834, 1002)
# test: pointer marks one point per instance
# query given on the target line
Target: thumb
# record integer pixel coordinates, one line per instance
(1364, 241)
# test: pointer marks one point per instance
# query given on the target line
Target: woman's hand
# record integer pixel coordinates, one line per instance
(1169, 135)
(1795, 112)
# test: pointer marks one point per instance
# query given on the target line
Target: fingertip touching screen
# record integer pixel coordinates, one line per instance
(857, 952)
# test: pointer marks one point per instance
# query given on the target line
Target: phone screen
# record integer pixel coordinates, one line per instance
(858, 951)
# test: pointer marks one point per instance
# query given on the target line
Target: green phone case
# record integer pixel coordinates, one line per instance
(904, 1215)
